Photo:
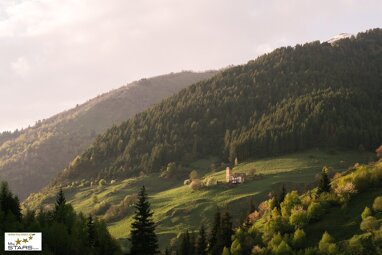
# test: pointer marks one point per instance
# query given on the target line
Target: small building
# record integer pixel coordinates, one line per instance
(234, 178)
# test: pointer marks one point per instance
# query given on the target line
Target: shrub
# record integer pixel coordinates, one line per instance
(196, 184)
(194, 175)
(345, 191)
(299, 238)
(327, 245)
(291, 200)
(117, 212)
(369, 224)
(102, 182)
(377, 205)
(298, 217)
(366, 213)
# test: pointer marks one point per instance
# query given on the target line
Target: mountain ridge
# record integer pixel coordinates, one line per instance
(292, 99)
(30, 158)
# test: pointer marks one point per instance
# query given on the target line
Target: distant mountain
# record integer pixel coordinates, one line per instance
(30, 158)
(295, 98)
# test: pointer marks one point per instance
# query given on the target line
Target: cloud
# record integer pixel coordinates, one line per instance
(20, 66)
(63, 51)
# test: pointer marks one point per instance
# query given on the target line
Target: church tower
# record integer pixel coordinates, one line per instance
(228, 174)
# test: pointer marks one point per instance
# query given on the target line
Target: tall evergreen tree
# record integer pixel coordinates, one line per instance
(324, 185)
(143, 238)
(91, 232)
(283, 194)
(60, 199)
(252, 206)
(9, 204)
(201, 243)
(214, 234)
(185, 244)
(226, 230)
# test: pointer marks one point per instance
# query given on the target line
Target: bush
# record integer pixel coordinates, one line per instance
(298, 217)
(377, 205)
(196, 184)
(117, 212)
(299, 238)
(194, 175)
(102, 182)
(366, 213)
(327, 245)
(369, 224)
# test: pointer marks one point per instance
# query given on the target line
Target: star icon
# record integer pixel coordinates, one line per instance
(25, 240)
(18, 241)
(30, 237)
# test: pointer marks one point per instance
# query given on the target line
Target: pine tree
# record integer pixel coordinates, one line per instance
(9, 204)
(201, 243)
(60, 199)
(185, 245)
(214, 234)
(226, 230)
(143, 238)
(283, 194)
(324, 185)
(252, 206)
(60, 207)
(91, 232)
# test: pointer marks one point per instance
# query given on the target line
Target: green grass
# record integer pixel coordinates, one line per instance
(177, 207)
(343, 223)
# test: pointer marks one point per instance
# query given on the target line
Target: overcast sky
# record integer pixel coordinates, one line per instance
(57, 53)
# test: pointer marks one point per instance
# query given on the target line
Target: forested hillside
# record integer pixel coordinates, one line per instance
(295, 98)
(30, 158)
(342, 215)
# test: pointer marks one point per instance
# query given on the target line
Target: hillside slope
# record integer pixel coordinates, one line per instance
(177, 207)
(293, 99)
(30, 158)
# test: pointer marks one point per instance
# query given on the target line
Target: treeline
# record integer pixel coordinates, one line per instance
(311, 95)
(282, 224)
(205, 242)
(63, 230)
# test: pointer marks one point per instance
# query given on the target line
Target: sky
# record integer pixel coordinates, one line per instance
(55, 54)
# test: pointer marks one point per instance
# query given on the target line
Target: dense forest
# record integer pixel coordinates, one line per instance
(63, 230)
(294, 98)
(31, 157)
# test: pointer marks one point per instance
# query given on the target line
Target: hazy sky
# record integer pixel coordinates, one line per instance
(57, 53)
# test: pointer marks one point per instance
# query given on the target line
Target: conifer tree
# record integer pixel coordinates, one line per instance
(60, 199)
(185, 245)
(143, 238)
(226, 230)
(214, 234)
(283, 194)
(91, 232)
(201, 243)
(9, 204)
(324, 185)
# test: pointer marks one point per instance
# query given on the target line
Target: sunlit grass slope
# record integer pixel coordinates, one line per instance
(177, 207)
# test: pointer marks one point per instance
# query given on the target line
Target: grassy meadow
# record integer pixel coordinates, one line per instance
(177, 207)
